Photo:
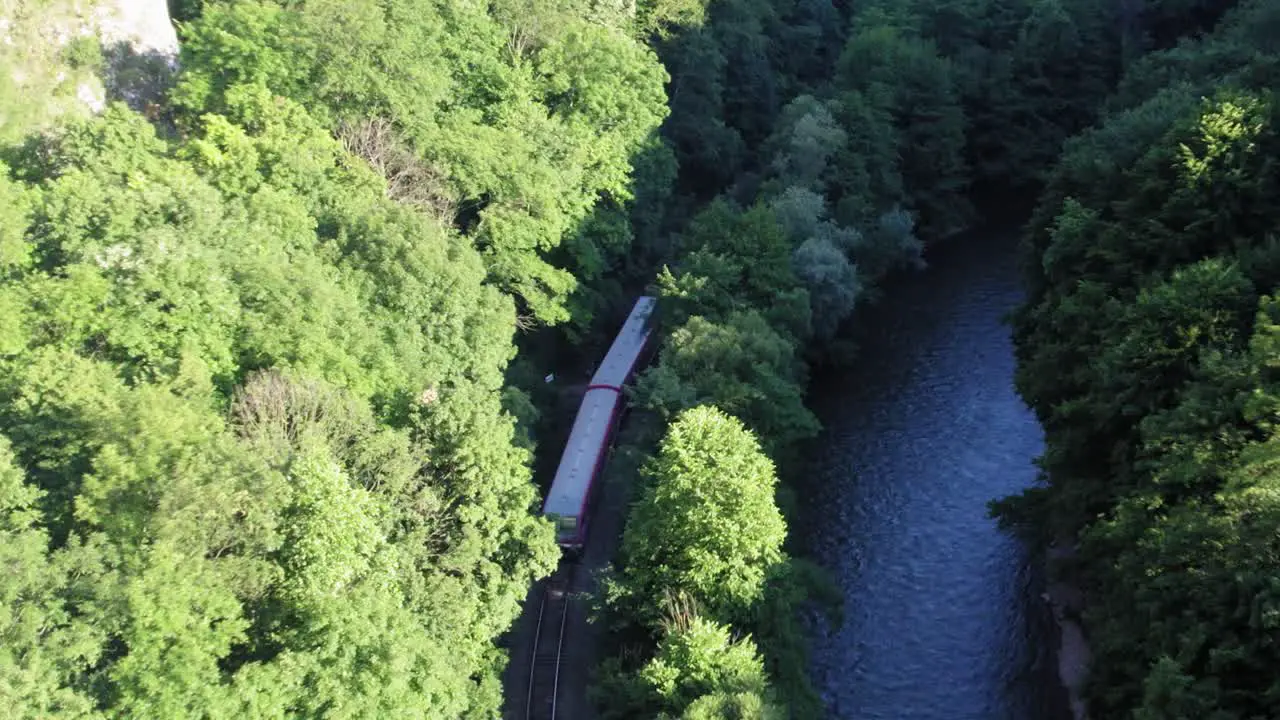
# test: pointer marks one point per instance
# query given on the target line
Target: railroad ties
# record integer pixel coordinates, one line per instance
(549, 644)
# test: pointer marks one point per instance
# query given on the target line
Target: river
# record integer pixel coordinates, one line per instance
(941, 616)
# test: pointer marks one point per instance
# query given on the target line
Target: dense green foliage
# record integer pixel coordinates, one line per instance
(1147, 347)
(257, 405)
(828, 145)
(521, 116)
(699, 670)
(701, 548)
(707, 525)
(257, 454)
(254, 454)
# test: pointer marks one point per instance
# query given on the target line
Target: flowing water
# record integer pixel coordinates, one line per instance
(941, 619)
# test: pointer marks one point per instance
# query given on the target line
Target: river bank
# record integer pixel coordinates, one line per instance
(1065, 601)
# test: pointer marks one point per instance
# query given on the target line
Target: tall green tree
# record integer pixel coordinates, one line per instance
(700, 673)
(707, 524)
(742, 366)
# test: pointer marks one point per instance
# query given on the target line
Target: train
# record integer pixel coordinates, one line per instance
(568, 500)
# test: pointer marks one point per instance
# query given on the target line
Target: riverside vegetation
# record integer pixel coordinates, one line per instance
(266, 450)
(1148, 348)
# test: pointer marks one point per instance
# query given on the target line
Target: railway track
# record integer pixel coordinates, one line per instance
(548, 644)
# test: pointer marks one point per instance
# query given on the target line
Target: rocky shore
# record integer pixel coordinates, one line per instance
(1066, 602)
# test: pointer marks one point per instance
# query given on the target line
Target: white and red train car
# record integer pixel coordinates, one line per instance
(568, 500)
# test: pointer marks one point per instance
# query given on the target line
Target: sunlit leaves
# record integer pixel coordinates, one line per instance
(707, 526)
(368, 501)
(740, 365)
(527, 115)
(1226, 130)
(699, 669)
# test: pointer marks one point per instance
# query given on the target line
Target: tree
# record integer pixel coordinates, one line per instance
(740, 365)
(1147, 347)
(699, 673)
(529, 115)
(356, 533)
(44, 645)
(709, 151)
(736, 258)
(832, 280)
(707, 524)
(805, 141)
(905, 76)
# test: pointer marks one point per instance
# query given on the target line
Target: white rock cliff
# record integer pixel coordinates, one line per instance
(44, 76)
(143, 24)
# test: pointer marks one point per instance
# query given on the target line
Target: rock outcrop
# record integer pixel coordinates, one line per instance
(51, 66)
(1067, 602)
(140, 46)
(143, 25)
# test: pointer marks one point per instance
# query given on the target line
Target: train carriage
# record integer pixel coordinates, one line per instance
(568, 500)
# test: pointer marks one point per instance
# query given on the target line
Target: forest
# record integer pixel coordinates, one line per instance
(272, 342)
(1147, 348)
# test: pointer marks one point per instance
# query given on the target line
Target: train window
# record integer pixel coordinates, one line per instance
(568, 523)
